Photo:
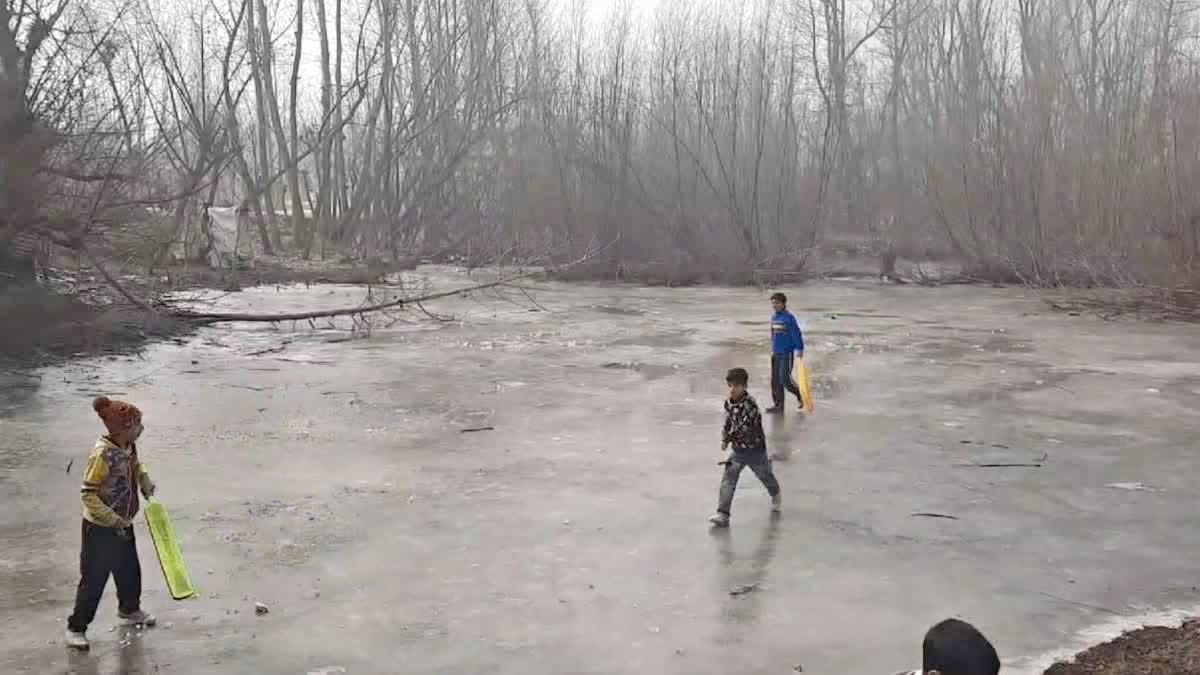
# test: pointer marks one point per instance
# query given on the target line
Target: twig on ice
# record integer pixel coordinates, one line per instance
(431, 315)
(272, 350)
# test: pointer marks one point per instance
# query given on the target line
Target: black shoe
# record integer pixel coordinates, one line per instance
(775, 410)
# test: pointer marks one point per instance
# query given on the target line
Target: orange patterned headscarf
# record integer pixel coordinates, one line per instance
(118, 416)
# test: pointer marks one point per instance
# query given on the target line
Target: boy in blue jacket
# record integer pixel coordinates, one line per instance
(787, 343)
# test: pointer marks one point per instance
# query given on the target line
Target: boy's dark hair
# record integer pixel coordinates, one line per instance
(955, 647)
(780, 297)
(737, 376)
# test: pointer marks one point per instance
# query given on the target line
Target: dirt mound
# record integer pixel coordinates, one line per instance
(1153, 650)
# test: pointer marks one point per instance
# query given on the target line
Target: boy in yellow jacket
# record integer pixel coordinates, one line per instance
(111, 482)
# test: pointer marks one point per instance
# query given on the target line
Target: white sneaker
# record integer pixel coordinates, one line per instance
(719, 520)
(138, 618)
(777, 503)
(78, 641)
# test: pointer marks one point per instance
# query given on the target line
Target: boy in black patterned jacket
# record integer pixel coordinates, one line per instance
(744, 431)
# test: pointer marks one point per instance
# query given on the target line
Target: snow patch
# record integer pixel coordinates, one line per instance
(1099, 634)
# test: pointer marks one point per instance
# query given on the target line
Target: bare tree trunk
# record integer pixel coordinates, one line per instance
(323, 211)
(340, 180)
(245, 13)
(271, 102)
(300, 231)
(260, 63)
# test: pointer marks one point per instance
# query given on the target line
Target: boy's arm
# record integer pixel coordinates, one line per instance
(737, 420)
(97, 511)
(797, 335)
(727, 428)
(143, 477)
(144, 482)
(753, 416)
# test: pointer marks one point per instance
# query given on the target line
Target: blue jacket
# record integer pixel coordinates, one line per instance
(785, 334)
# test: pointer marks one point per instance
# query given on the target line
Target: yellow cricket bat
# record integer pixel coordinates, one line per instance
(170, 558)
(805, 384)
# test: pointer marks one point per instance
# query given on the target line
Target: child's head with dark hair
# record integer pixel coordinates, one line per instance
(778, 300)
(737, 379)
(955, 647)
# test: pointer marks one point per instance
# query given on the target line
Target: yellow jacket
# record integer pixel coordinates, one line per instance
(111, 483)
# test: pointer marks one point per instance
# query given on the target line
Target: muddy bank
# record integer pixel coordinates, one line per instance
(1153, 650)
(76, 314)
(43, 327)
(269, 271)
(830, 259)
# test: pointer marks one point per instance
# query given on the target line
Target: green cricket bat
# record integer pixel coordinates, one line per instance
(169, 555)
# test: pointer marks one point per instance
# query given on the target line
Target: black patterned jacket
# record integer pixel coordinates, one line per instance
(743, 425)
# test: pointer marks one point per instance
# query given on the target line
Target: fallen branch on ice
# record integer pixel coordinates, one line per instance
(223, 317)
(231, 317)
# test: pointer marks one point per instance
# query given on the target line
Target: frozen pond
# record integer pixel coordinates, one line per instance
(338, 482)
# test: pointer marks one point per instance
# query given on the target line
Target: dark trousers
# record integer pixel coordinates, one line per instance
(106, 551)
(782, 366)
(758, 462)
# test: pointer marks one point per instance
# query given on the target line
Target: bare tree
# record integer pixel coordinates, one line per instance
(1045, 142)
